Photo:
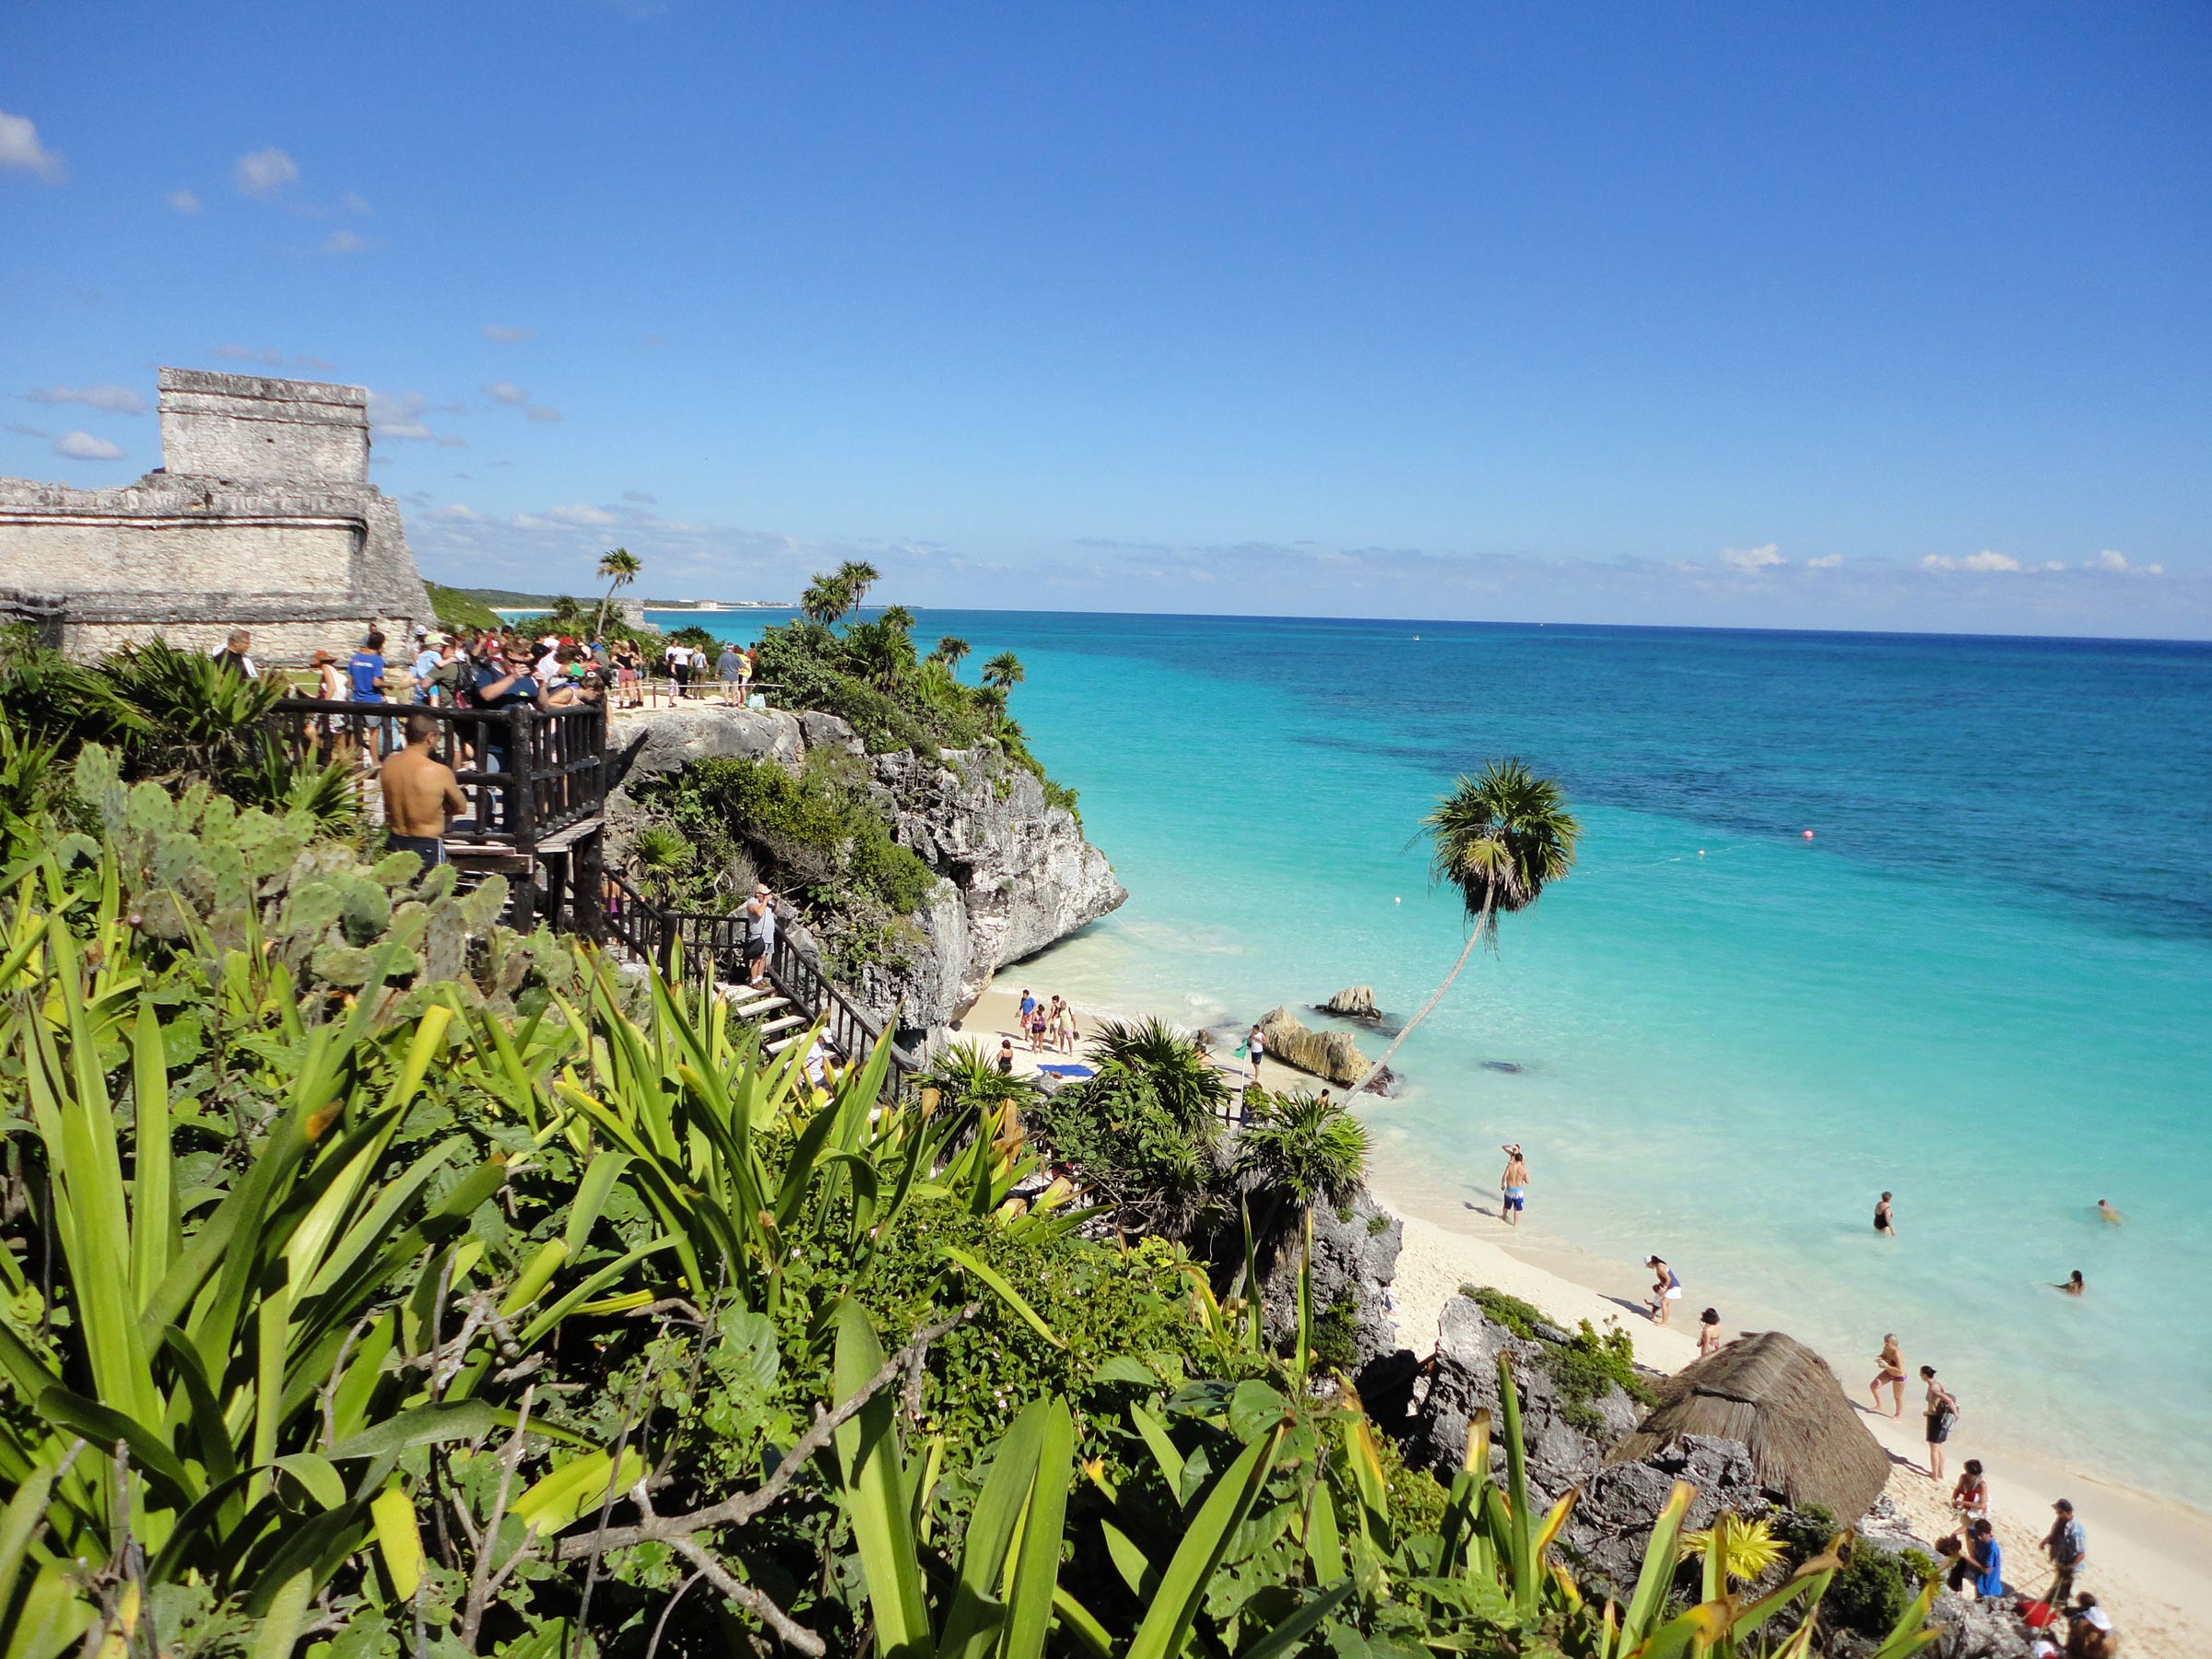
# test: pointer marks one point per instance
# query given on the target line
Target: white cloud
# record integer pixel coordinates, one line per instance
(264, 172)
(1752, 559)
(580, 514)
(113, 400)
(1827, 561)
(345, 241)
(1982, 563)
(83, 446)
(639, 495)
(507, 391)
(455, 512)
(400, 416)
(2112, 558)
(27, 432)
(353, 203)
(316, 363)
(452, 441)
(20, 149)
(507, 337)
(542, 413)
(184, 201)
(231, 351)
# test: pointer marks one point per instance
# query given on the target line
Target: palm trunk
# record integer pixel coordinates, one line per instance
(599, 621)
(1482, 925)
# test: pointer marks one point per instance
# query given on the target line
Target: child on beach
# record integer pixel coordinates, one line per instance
(1942, 1412)
(1891, 1376)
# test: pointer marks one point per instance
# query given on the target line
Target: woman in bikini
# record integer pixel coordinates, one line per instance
(1891, 1375)
(1710, 1340)
(1969, 1498)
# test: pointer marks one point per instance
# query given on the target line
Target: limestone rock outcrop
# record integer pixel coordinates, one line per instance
(675, 739)
(1354, 1002)
(1355, 1263)
(1330, 1055)
(1016, 873)
(1020, 872)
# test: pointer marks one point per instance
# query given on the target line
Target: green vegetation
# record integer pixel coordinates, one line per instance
(1583, 1367)
(1499, 839)
(620, 567)
(819, 837)
(1873, 1588)
(375, 1280)
(459, 612)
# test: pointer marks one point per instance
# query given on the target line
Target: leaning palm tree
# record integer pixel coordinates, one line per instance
(826, 599)
(856, 576)
(1004, 671)
(621, 567)
(949, 651)
(1500, 839)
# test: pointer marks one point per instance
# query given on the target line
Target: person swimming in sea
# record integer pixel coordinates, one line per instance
(2107, 1214)
(1885, 1218)
(1513, 1187)
(2075, 1285)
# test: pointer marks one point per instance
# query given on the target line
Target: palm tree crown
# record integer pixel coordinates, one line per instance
(826, 599)
(620, 567)
(1003, 670)
(1303, 1148)
(949, 651)
(1499, 838)
(854, 578)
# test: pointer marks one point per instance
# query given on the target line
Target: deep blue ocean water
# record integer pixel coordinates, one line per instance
(1985, 983)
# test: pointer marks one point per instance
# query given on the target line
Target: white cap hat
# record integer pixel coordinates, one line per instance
(2099, 1618)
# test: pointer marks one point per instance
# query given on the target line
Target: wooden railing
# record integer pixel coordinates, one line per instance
(701, 943)
(528, 773)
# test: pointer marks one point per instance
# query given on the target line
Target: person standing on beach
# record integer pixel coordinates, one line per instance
(1006, 1056)
(1891, 1375)
(1255, 1046)
(1513, 1187)
(2068, 1547)
(1885, 1218)
(1666, 1288)
(1942, 1412)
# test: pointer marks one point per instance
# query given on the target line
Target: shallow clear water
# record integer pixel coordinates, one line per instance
(1986, 985)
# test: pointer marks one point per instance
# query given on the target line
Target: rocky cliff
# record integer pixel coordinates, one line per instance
(1015, 873)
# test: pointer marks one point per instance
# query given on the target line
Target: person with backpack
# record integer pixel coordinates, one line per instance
(1941, 1415)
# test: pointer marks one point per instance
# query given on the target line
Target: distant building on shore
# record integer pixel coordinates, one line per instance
(261, 515)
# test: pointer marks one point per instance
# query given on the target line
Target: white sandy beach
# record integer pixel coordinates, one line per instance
(2150, 1560)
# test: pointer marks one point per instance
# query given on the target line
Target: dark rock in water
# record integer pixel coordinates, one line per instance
(1501, 1066)
(1355, 1260)
(1354, 1002)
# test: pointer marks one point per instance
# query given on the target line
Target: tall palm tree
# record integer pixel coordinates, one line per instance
(1003, 671)
(856, 576)
(1297, 1151)
(1500, 839)
(826, 599)
(949, 651)
(621, 567)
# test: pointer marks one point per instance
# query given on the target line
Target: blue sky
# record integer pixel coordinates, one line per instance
(1731, 316)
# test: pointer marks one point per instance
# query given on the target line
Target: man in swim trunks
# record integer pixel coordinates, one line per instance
(1513, 1187)
(422, 795)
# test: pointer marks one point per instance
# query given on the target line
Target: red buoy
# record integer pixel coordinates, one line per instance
(1808, 835)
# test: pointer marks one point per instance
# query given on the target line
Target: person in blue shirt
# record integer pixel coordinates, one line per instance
(364, 675)
(366, 669)
(426, 665)
(1983, 1560)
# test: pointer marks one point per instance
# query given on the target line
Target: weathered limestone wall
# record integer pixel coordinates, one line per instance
(262, 517)
(244, 427)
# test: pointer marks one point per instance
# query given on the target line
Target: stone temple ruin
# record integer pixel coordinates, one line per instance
(261, 515)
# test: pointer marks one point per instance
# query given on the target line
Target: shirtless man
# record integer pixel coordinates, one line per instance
(421, 795)
(1513, 1187)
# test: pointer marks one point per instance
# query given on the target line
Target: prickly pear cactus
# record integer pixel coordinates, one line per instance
(201, 874)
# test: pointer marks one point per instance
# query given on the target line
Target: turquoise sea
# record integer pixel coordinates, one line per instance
(1984, 985)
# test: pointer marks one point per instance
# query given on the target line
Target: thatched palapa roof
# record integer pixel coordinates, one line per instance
(1778, 1398)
